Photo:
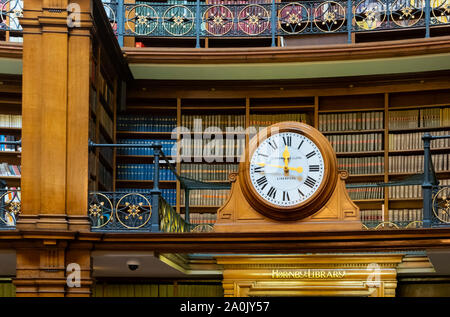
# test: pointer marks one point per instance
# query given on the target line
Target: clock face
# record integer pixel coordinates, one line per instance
(286, 169)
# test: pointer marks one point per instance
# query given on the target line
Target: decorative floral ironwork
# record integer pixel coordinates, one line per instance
(141, 19)
(329, 16)
(10, 207)
(133, 211)
(100, 210)
(178, 20)
(10, 13)
(218, 20)
(441, 205)
(293, 18)
(253, 19)
(170, 220)
(441, 11)
(406, 13)
(370, 14)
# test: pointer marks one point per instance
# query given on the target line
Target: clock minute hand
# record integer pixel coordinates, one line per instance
(297, 169)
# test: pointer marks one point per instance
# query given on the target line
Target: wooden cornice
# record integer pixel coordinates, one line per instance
(10, 50)
(385, 49)
(276, 242)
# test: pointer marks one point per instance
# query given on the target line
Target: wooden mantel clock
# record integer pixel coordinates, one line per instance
(288, 180)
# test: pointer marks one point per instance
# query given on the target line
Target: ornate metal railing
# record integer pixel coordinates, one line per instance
(123, 211)
(257, 18)
(10, 207)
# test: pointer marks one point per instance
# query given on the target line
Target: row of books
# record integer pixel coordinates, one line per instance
(366, 193)
(106, 91)
(207, 148)
(106, 152)
(10, 121)
(413, 141)
(405, 215)
(140, 123)
(356, 142)
(207, 197)
(414, 163)
(417, 118)
(170, 195)
(201, 218)
(405, 191)
(168, 147)
(143, 172)
(9, 147)
(105, 176)
(351, 121)
(106, 122)
(362, 165)
(9, 170)
(208, 172)
(264, 120)
(395, 215)
(197, 123)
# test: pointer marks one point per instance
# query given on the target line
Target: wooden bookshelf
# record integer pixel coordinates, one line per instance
(10, 128)
(253, 109)
(104, 85)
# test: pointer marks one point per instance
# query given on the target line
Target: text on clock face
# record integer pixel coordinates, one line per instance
(286, 169)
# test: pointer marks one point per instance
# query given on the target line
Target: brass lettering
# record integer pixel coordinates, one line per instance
(307, 274)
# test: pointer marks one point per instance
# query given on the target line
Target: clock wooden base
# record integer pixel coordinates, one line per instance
(338, 214)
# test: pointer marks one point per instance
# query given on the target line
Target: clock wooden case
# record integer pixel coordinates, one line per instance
(288, 181)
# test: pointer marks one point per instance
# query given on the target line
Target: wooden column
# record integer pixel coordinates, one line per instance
(42, 269)
(55, 110)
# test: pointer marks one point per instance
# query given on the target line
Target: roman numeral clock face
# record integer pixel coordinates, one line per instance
(286, 169)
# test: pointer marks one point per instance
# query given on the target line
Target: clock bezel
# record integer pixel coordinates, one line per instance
(317, 199)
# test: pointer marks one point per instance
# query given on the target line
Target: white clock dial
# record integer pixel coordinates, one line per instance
(286, 169)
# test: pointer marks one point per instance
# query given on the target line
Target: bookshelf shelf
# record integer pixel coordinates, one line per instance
(356, 154)
(353, 131)
(126, 183)
(143, 135)
(137, 159)
(418, 151)
(421, 129)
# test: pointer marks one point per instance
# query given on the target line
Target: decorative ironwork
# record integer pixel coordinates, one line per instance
(293, 18)
(369, 14)
(119, 211)
(441, 205)
(391, 225)
(141, 19)
(218, 20)
(170, 220)
(10, 13)
(441, 11)
(178, 20)
(329, 16)
(133, 211)
(253, 19)
(407, 13)
(10, 208)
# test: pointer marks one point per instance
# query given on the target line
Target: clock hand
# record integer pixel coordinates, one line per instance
(297, 169)
(299, 178)
(286, 156)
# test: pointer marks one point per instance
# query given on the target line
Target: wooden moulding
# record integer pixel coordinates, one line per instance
(329, 209)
